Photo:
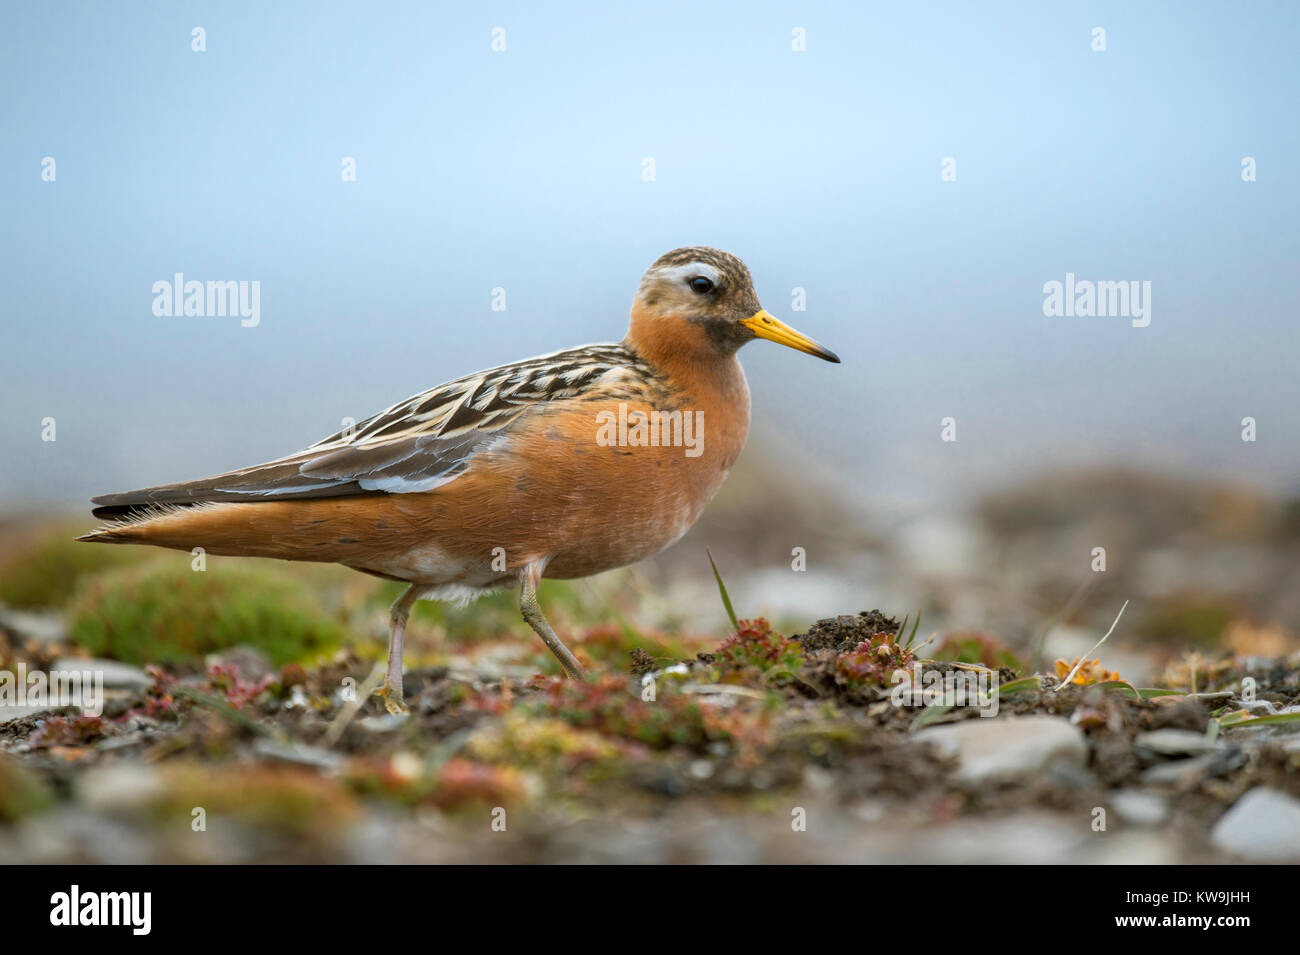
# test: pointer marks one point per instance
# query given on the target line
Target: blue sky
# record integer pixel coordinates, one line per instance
(523, 169)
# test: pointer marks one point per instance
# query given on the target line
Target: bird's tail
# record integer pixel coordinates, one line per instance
(301, 530)
(161, 525)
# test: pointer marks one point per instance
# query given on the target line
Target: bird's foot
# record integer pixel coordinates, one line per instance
(393, 702)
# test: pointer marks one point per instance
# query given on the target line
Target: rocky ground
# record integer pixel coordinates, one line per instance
(741, 746)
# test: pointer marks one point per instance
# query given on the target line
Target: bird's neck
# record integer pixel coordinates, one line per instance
(686, 353)
(702, 377)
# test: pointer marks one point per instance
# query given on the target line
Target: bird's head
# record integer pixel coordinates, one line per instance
(706, 296)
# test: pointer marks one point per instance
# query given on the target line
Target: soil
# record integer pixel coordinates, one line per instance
(735, 741)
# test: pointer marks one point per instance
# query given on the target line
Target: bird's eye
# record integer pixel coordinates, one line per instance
(701, 285)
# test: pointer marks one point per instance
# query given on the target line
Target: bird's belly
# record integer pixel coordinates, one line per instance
(436, 566)
(591, 521)
(630, 528)
(623, 507)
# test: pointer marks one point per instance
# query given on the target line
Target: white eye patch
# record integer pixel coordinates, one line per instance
(684, 273)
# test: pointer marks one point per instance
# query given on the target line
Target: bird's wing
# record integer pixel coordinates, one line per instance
(416, 445)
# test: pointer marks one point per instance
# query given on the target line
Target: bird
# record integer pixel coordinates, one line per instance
(560, 466)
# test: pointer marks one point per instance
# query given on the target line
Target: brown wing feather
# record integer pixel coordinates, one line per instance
(416, 445)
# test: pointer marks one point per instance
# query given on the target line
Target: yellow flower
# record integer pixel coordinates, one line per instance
(1090, 672)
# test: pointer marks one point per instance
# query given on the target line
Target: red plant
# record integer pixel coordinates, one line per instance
(756, 645)
(872, 662)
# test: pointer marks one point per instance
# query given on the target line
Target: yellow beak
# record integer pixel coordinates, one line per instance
(774, 330)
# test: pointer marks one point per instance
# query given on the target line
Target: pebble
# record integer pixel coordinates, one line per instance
(1174, 742)
(44, 628)
(1007, 750)
(251, 663)
(1258, 707)
(1262, 826)
(16, 712)
(383, 723)
(1140, 808)
(1186, 772)
(73, 835)
(118, 786)
(701, 768)
(117, 676)
(298, 753)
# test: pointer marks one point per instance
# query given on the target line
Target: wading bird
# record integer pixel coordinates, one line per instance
(509, 475)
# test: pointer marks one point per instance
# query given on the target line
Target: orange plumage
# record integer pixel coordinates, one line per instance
(560, 466)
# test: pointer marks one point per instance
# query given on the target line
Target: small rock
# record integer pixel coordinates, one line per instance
(1007, 750)
(118, 786)
(384, 723)
(870, 810)
(15, 712)
(251, 663)
(1187, 772)
(298, 753)
(1027, 837)
(43, 628)
(1173, 742)
(1262, 826)
(298, 699)
(116, 676)
(701, 768)
(1140, 808)
(1256, 707)
(73, 835)
(1138, 847)
(1067, 774)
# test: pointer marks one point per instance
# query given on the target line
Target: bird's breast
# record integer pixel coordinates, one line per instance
(587, 485)
(627, 477)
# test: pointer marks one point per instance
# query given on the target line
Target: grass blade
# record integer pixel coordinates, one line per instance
(722, 589)
(1083, 659)
(931, 714)
(1241, 718)
(915, 626)
(1015, 686)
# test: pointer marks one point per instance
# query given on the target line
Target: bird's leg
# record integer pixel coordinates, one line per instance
(392, 688)
(528, 578)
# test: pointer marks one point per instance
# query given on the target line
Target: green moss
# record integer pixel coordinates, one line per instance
(21, 791)
(166, 613)
(606, 704)
(1184, 619)
(971, 646)
(275, 798)
(42, 571)
(553, 747)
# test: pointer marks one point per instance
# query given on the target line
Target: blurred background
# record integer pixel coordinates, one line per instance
(556, 153)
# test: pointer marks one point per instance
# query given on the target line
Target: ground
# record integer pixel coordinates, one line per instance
(740, 745)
